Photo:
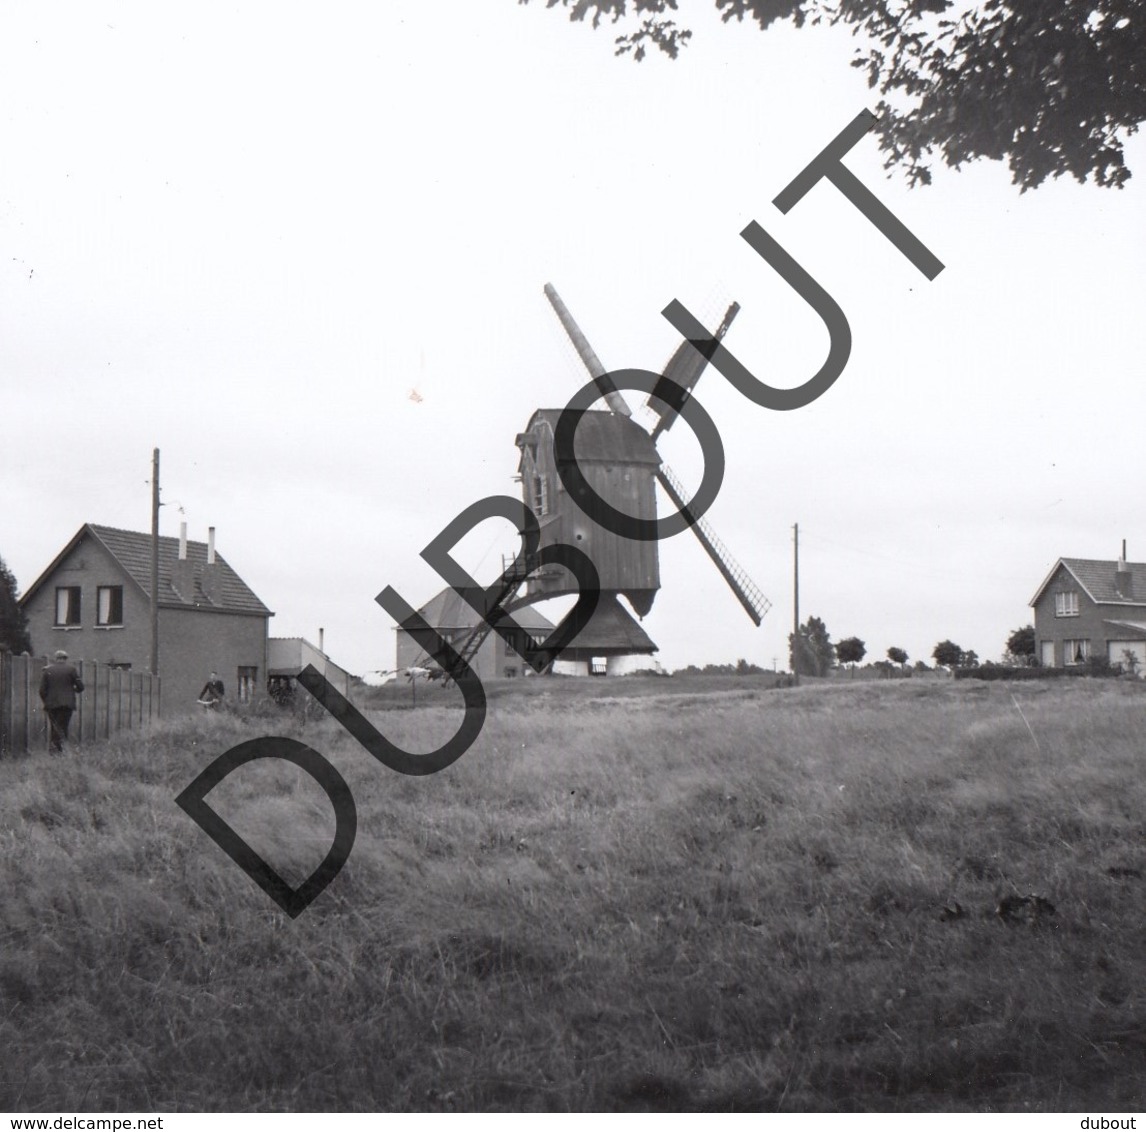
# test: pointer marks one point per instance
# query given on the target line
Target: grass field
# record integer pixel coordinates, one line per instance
(707, 895)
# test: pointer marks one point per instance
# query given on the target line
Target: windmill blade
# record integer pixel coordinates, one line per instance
(681, 375)
(747, 592)
(597, 371)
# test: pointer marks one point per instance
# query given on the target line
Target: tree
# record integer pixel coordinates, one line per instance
(1051, 87)
(1021, 645)
(851, 650)
(897, 655)
(947, 653)
(811, 653)
(13, 625)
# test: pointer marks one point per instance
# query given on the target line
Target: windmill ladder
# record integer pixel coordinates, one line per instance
(511, 580)
(747, 592)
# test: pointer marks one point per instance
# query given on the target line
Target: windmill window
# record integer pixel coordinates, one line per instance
(109, 605)
(67, 605)
(540, 495)
(1066, 604)
(1075, 652)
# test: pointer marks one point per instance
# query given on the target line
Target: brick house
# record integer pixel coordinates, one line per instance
(94, 601)
(1091, 608)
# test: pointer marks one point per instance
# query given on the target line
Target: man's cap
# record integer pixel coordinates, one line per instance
(61, 655)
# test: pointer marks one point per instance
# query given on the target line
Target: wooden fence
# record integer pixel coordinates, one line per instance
(113, 699)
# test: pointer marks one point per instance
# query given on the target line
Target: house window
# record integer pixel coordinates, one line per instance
(122, 665)
(599, 666)
(109, 605)
(1066, 605)
(67, 605)
(248, 674)
(1075, 652)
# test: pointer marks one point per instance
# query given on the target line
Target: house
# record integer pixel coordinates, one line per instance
(94, 601)
(454, 619)
(288, 656)
(1092, 608)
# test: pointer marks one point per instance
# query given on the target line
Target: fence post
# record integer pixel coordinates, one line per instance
(5, 711)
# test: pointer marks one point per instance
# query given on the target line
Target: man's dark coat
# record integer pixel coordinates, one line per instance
(59, 685)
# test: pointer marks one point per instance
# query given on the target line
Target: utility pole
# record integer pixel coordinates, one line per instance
(796, 602)
(155, 562)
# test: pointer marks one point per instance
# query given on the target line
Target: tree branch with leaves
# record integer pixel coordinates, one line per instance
(1052, 87)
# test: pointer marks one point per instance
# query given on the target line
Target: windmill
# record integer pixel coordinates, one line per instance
(619, 461)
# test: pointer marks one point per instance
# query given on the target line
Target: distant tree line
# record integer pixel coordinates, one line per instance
(741, 668)
(812, 653)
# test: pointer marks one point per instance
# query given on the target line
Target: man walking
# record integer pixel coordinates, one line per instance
(58, 687)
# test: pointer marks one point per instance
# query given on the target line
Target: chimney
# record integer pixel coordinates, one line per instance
(183, 573)
(1123, 579)
(210, 582)
(321, 632)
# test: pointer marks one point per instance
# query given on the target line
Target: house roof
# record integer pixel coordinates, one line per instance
(604, 437)
(611, 629)
(287, 656)
(450, 611)
(1133, 626)
(1096, 576)
(132, 551)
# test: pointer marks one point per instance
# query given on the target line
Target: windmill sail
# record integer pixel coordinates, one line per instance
(684, 370)
(588, 356)
(747, 592)
(681, 375)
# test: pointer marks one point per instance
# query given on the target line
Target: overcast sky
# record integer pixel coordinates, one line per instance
(246, 234)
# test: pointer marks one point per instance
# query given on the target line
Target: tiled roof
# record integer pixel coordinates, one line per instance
(449, 611)
(1097, 578)
(132, 550)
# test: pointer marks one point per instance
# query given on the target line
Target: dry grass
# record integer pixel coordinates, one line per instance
(730, 898)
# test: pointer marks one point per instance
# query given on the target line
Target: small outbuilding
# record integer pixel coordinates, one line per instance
(288, 656)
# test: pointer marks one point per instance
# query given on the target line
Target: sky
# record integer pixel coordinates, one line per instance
(301, 251)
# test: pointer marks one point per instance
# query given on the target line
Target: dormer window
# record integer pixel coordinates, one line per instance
(1066, 604)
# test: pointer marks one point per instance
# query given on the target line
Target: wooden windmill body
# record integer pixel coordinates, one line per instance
(619, 461)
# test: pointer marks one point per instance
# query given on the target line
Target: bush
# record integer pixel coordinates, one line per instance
(1095, 667)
